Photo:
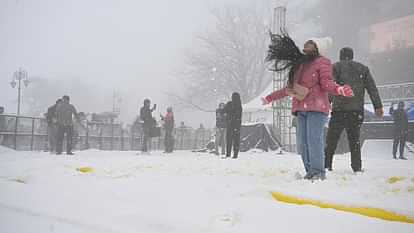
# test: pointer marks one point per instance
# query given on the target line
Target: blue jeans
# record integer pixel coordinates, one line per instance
(311, 138)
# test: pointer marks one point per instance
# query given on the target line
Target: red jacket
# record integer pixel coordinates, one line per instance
(317, 77)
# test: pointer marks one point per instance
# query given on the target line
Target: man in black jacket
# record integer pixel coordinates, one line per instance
(64, 115)
(149, 122)
(400, 129)
(348, 112)
(52, 127)
(220, 129)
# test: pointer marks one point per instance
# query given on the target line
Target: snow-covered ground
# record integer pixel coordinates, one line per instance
(189, 192)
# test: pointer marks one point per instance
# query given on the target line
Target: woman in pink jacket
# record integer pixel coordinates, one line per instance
(309, 82)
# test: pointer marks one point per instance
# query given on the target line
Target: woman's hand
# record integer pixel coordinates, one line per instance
(264, 101)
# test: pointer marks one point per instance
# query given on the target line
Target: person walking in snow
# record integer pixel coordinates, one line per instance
(148, 124)
(64, 115)
(233, 111)
(309, 82)
(348, 113)
(220, 129)
(52, 126)
(169, 128)
(400, 129)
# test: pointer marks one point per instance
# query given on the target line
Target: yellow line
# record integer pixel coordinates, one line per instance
(366, 211)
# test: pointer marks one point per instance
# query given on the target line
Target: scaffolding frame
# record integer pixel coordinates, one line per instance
(282, 117)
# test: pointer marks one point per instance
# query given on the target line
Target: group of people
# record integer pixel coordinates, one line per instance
(228, 124)
(148, 127)
(314, 84)
(59, 119)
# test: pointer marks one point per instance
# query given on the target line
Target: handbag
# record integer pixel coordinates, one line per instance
(298, 91)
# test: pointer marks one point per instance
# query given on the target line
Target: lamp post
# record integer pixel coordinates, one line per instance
(18, 77)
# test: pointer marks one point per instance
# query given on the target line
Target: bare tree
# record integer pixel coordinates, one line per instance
(230, 57)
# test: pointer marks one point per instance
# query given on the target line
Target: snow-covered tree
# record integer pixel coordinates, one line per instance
(229, 57)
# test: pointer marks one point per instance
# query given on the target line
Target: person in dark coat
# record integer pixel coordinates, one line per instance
(400, 129)
(220, 130)
(52, 126)
(348, 112)
(233, 110)
(148, 124)
(64, 115)
(169, 128)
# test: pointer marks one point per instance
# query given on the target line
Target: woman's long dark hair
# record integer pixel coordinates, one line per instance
(287, 56)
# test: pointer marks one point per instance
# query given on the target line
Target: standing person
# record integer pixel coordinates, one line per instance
(51, 119)
(233, 111)
(2, 124)
(148, 125)
(348, 113)
(309, 81)
(169, 128)
(64, 115)
(400, 129)
(220, 129)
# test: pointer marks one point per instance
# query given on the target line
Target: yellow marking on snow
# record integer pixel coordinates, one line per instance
(395, 179)
(396, 190)
(84, 169)
(366, 211)
(18, 180)
(412, 179)
(410, 189)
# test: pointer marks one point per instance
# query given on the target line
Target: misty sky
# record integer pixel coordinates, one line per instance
(128, 45)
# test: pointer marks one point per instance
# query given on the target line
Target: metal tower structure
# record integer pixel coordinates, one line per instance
(282, 117)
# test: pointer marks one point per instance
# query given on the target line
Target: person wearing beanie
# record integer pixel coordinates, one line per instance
(348, 113)
(309, 82)
(169, 128)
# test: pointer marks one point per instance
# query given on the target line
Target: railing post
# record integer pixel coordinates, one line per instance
(100, 137)
(15, 132)
(32, 139)
(112, 135)
(87, 135)
(122, 139)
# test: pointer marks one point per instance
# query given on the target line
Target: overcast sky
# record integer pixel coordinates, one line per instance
(127, 45)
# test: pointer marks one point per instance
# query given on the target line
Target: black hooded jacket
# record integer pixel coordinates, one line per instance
(359, 77)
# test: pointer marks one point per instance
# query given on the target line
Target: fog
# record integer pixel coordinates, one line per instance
(128, 46)
(91, 49)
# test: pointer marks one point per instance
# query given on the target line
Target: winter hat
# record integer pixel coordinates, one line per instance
(346, 54)
(323, 43)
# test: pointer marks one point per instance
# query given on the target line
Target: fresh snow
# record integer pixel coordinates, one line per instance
(194, 192)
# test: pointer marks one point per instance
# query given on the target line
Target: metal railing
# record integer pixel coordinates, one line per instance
(30, 133)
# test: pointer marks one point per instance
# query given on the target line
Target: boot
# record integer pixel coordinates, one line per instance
(402, 157)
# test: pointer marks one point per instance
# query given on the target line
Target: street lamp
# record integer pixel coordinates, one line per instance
(18, 77)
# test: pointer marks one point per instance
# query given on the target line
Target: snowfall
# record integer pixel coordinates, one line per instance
(197, 192)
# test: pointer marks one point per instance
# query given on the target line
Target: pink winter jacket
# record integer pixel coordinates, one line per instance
(317, 76)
